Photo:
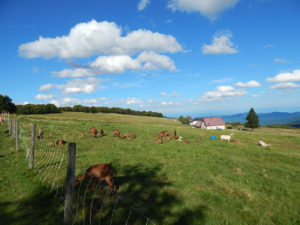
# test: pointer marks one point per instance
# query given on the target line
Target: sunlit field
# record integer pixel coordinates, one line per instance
(206, 182)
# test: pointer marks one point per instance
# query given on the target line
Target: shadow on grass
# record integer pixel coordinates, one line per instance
(143, 198)
(41, 207)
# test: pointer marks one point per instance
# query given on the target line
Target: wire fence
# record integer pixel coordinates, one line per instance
(92, 202)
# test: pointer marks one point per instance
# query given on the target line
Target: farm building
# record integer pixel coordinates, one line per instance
(210, 123)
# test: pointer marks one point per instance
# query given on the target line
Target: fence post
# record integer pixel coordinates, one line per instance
(17, 136)
(13, 129)
(69, 188)
(9, 125)
(31, 153)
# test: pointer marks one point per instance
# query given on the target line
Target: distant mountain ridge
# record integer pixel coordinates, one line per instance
(266, 118)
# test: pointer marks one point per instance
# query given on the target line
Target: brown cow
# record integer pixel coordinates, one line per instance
(93, 131)
(186, 142)
(198, 140)
(41, 133)
(60, 142)
(117, 133)
(101, 132)
(99, 172)
(164, 133)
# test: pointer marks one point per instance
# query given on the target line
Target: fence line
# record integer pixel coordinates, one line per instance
(48, 162)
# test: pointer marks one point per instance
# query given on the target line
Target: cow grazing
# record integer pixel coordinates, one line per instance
(99, 172)
(117, 133)
(226, 137)
(93, 131)
(101, 132)
(60, 142)
(41, 133)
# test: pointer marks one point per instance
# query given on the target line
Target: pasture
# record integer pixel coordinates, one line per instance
(207, 182)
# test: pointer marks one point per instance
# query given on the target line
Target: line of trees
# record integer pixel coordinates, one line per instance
(51, 108)
(37, 109)
(94, 109)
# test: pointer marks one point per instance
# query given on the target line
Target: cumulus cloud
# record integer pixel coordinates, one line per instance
(221, 45)
(66, 101)
(87, 39)
(75, 86)
(221, 93)
(44, 97)
(249, 84)
(143, 4)
(286, 77)
(255, 95)
(208, 8)
(286, 86)
(155, 61)
(133, 101)
(119, 64)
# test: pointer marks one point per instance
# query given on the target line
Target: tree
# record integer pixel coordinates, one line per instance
(6, 104)
(184, 120)
(252, 119)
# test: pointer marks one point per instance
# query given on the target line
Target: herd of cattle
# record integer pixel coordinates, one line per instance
(104, 171)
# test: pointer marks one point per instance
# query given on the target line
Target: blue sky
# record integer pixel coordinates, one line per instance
(190, 57)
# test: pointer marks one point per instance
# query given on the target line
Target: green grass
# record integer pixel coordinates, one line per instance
(210, 182)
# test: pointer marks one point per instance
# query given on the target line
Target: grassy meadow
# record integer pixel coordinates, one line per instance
(207, 182)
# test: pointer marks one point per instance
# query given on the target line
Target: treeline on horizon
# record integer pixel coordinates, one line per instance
(51, 108)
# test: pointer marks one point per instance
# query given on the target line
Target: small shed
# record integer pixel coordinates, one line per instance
(212, 123)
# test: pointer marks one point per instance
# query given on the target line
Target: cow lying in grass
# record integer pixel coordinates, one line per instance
(60, 142)
(99, 172)
(93, 131)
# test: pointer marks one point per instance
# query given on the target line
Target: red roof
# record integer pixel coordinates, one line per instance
(213, 121)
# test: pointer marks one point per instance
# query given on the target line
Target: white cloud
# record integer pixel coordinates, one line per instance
(155, 61)
(174, 94)
(164, 94)
(286, 77)
(119, 64)
(66, 101)
(255, 95)
(133, 101)
(221, 93)
(75, 86)
(286, 86)
(143, 4)
(280, 60)
(209, 8)
(44, 97)
(87, 39)
(221, 45)
(169, 103)
(249, 84)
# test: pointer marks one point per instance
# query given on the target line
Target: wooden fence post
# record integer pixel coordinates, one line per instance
(69, 188)
(31, 153)
(9, 125)
(17, 136)
(13, 129)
